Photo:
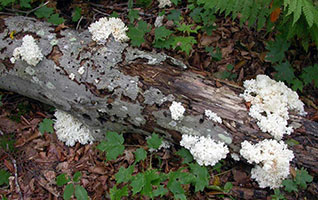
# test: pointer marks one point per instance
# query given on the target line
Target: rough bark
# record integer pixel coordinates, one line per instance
(127, 90)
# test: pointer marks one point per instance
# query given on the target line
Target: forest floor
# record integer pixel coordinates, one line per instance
(37, 159)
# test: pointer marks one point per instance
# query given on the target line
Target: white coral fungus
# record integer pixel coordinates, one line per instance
(29, 51)
(272, 159)
(204, 150)
(70, 130)
(270, 102)
(164, 3)
(176, 110)
(102, 28)
(213, 116)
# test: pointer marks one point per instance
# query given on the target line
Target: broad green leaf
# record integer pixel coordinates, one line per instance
(202, 176)
(217, 167)
(46, 126)
(285, 72)
(291, 142)
(228, 187)
(277, 195)
(310, 74)
(4, 177)
(133, 15)
(55, 19)
(161, 33)
(302, 178)
(151, 178)
(140, 154)
(277, 49)
(136, 34)
(77, 176)
(76, 14)
(7, 2)
(62, 179)
(215, 54)
(68, 191)
(186, 155)
(117, 194)
(290, 185)
(113, 146)
(184, 28)
(154, 141)
(124, 174)
(174, 15)
(160, 191)
(184, 43)
(297, 85)
(44, 12)
(81, 193)
(25, 3)
(137, 183)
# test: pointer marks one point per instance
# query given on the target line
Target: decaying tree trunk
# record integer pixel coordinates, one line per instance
(126, 90)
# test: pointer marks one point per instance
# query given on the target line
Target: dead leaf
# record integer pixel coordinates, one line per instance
(275, 15)
(60, 27)
(97, 170)
(9, 165)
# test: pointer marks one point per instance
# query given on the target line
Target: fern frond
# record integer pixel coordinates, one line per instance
(297, 11)
(309, 10)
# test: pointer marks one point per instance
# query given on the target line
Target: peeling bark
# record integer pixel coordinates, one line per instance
(126, 90)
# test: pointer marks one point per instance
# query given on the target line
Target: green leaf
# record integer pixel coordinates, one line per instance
(140, 154)
(277, 195)
(297, 85)
(160, 191)
(7, 2)
(77, 176)
(154, 141)
(217, 167)
(310, 74)
(55, 19)
(46, 126)
(188, 28)
(175, 2)
(133, 15)
(277, 49)
(124, 174)
(117, 194)
(161, 33)
(62, 179)
(114, 14)
(228, 187)
(44, 12)
(136, 34)
(290, 185)
(215, 54)
(151, 178)
(184, 43)
(113, 146)
(81, 193)
(68, 191)
(137, 183)
(202, 176)
(1, 99)
(186, 155)
(291, 142)
(302, 178)
(285, 72)
(76, 15)
(25, 3)
(4, 177)
(174, 15)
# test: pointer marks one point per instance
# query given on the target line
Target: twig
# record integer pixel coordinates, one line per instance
(16, 178)
(78, 23)
(30, 11)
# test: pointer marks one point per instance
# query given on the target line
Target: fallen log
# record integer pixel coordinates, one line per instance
(114, 87)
